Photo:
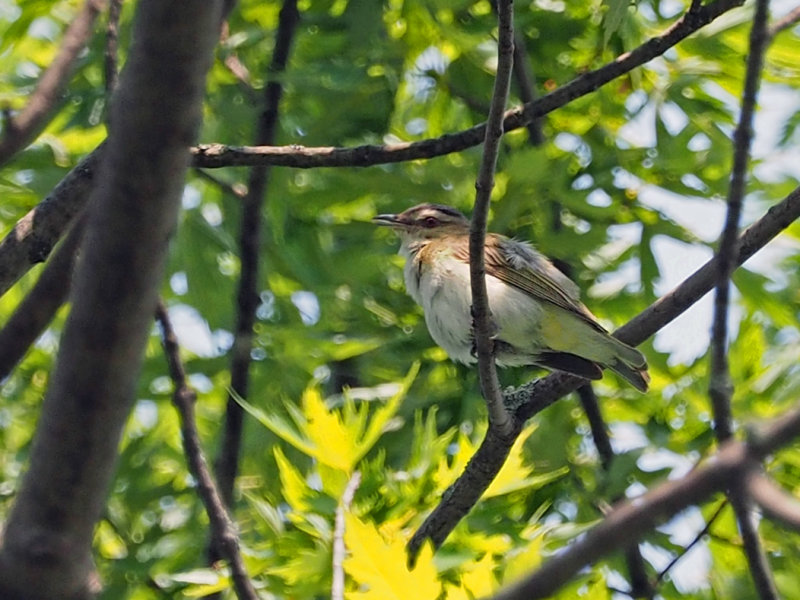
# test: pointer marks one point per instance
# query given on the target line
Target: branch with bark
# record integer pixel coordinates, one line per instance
(720, 386)
(22, 129)
(247, 297)
(629, 519)
(482, 327)
(184, 398)
(46, 547)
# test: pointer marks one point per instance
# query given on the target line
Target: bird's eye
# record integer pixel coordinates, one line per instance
(430, 221)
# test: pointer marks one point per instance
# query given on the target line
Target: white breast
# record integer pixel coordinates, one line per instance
(444, 293)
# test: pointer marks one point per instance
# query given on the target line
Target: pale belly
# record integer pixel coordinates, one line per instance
(445, 296)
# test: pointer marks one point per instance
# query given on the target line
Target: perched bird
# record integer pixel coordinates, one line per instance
(537, 315)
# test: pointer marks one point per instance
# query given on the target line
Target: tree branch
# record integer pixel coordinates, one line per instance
(537, 395)
(694, 542)
(219, 155)
(184, 399)
(626, 522)
(776, 503)
(23, 128)
(641, 585)
(112, 45)
(46, 547)
(33, 237)
(720, 385)
(481, 312)
(40, 305)
(249, 246)
(787, 21)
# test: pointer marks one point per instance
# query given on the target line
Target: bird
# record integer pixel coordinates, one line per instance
(536, 312)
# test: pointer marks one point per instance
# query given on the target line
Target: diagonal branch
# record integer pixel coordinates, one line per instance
(23, 128)
(537, 395)
(219, 155)
(184, 399)
(481, 313)
(31, 317)
(776, 503)
(626, 522)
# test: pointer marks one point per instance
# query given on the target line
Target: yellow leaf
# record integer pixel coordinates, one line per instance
(336, 444)
(379, 565)
(523, 561)
(293, 484)
(479, 581)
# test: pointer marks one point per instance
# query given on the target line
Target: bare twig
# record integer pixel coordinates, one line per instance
(631, 518)
(641, 585)
(535, 396)
(720, 386)
(481, 313)
(112, 45)
(184, 399)
(237, 190)
(773, 501)
(33, 237)
(24, 241)
(703, 532)
(249, 244)
(40, 305)
(785, 22)
(339, 550)
(526, 81)
(25, 126)
(219, 155)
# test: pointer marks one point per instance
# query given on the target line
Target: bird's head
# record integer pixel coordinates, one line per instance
(425, 222)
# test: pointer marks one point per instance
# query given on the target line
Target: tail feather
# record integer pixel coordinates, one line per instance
(571, 363)
(637, 375)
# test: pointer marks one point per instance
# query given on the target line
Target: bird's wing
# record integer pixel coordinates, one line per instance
(519, 265)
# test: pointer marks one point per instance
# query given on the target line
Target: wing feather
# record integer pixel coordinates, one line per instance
(519, 265)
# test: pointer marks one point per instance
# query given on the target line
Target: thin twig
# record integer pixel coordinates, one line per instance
(534, 397)
(631, 518)
(481, 312)
(237, 190)
(110, 55)
(773, 501)
(184, 399)
(249, 254)
(339, 550)
(23, 128)
(703, 532)
(720, 386)
(785, 22)
(641, 585)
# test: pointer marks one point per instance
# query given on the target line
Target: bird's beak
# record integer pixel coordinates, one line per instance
(387, 220)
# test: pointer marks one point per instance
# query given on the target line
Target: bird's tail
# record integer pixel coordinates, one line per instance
(629, 364)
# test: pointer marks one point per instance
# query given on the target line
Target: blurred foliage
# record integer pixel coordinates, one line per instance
(638, 166)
